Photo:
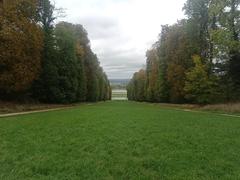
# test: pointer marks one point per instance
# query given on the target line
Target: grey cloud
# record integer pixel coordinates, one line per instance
(122, 67)
(116, 59)
(122, 71)
(99, 27)
(122, 63)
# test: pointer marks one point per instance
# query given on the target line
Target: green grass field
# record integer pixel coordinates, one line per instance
(120, 140)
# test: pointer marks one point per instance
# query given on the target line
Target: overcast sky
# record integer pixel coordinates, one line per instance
(121, 31)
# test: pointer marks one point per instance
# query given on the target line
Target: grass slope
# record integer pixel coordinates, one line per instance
(120, 140)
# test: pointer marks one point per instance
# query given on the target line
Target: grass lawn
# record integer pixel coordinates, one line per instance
(120, 140)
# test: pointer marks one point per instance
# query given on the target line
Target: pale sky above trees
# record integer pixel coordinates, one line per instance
(122, 30)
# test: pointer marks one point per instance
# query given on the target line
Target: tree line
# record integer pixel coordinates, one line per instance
(44, 61)
(196, 60)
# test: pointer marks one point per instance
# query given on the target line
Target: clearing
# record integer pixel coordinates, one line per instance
(120, 140)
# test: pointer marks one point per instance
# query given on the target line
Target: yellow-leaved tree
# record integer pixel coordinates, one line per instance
(200, 86)
(20, 47)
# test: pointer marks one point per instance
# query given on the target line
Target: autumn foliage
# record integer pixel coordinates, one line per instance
(197, 59)
(46, 62)
(21, 44)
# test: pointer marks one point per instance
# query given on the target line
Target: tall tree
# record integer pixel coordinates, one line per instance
(82, 79)
(136, 87)
(67, 62)
(176, 53)
(162, 54)
(82, 43)
(44, 87)
(200, 87)
(198, 18)
(225, 36)
(152, 73)
(21, 44)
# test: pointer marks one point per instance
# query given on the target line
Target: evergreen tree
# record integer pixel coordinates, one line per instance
(45, 87)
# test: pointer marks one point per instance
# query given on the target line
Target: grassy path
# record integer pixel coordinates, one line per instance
(120, 140)
(31, 112)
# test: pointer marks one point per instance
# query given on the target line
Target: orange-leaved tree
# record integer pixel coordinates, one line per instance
(20, 47)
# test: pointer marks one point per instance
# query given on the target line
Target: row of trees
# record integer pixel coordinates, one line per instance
(196, 60)
(46, 62)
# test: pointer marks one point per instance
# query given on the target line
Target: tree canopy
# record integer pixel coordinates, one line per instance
(44, 61)
(197, 59)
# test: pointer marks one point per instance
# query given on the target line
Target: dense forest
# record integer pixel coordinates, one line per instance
(44, 61)
(196, 60)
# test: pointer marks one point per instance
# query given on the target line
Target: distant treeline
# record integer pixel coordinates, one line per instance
(119, 83)
(196, 60)
(46, 62)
